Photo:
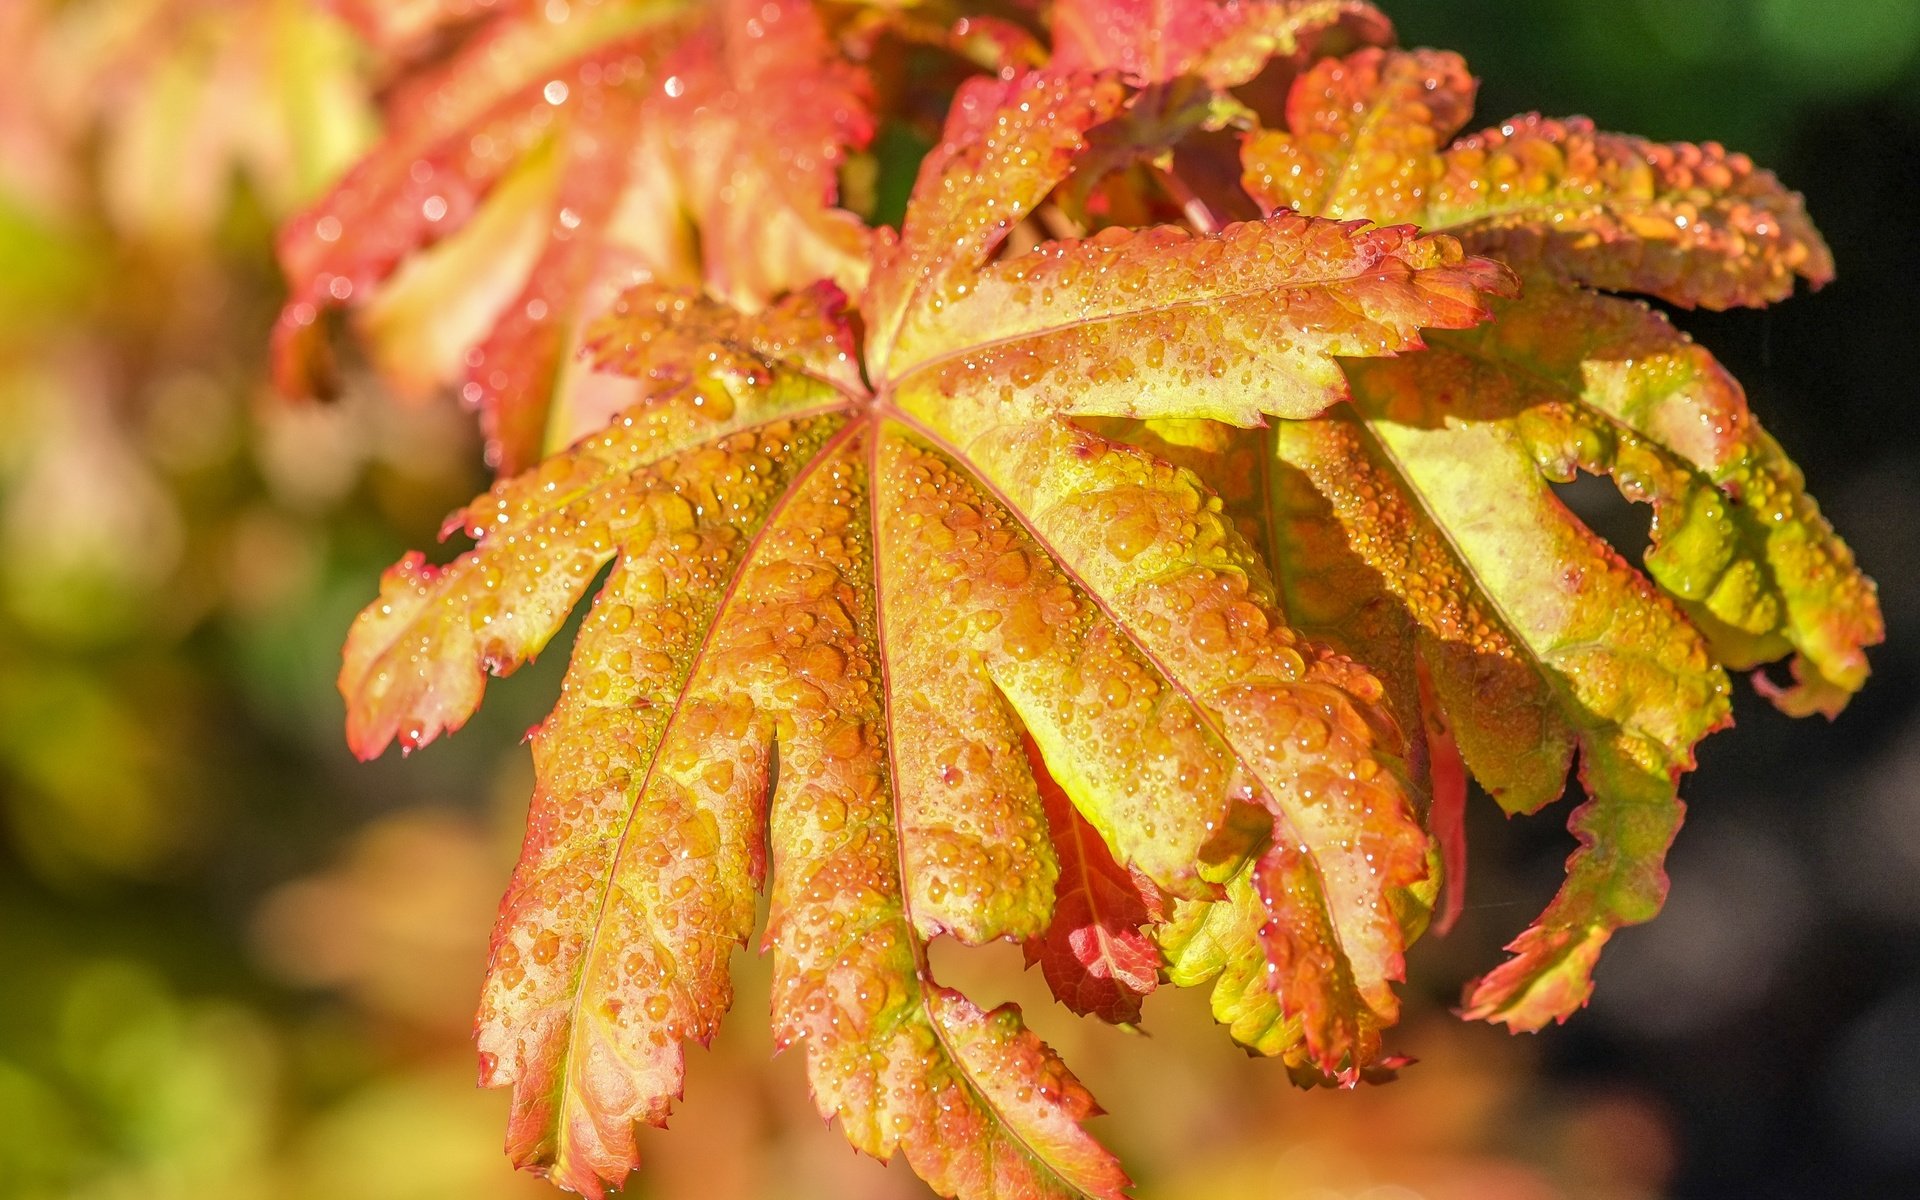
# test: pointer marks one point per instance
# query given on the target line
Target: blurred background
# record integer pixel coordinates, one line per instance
(236, 964)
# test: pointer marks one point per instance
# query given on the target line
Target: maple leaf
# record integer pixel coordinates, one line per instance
(881, 557)
(553, 160)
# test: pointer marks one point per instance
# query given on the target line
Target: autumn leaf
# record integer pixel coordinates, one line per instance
(880, 555)
(1145, 597)
(553, 160)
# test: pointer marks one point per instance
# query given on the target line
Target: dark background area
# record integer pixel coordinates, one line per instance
(236, 964)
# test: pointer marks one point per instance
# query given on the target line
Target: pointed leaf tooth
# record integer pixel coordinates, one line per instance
(1227, 326)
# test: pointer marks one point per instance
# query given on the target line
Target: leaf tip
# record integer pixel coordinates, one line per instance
(1548, 979)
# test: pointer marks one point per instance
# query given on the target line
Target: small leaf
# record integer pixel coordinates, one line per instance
(1095, 958)
(1219, 942)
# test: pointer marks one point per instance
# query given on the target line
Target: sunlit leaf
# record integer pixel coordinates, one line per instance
(884, 582)
(1164, 324)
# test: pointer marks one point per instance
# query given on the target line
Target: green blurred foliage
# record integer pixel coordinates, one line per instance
(1741, 72)
(238, 964)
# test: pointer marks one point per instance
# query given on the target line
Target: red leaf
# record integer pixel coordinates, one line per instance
(1094, 957)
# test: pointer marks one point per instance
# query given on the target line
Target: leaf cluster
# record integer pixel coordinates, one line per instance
(1133, 554)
